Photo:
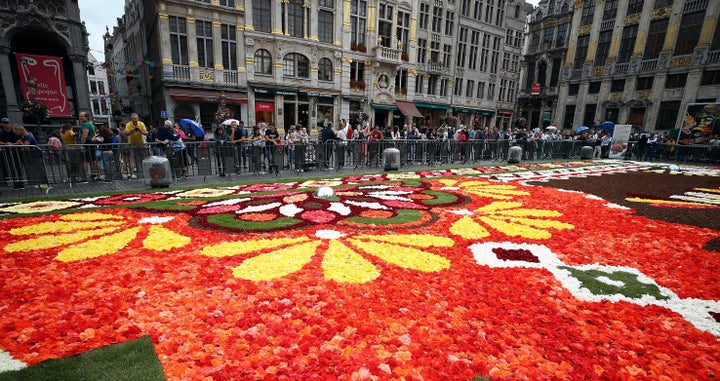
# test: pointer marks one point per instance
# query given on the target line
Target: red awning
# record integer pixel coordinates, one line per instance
(264, 106)
(205, 96)
(408, 109)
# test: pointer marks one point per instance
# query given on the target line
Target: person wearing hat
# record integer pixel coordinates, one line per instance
(9, 137)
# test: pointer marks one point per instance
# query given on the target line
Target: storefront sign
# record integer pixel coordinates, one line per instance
(535, 88)
(505, 112)
(264, 106)
(46, 79)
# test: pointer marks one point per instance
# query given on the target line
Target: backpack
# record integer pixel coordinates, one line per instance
(349, 134)
(55, 144)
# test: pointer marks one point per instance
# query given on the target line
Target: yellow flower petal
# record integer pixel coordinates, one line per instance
(468, 229)
(228, 249)
(406, 257)
(515, 230)
(276, 264)
(496, 206)
(161, 239)
(344, 265)
(48, 242)
(90, 217)
(418, 240)
(105, 245)
(539, 223)
(62, 227)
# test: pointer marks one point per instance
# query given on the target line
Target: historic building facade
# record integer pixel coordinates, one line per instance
(43, 60)
(317, 61)
(634, 62)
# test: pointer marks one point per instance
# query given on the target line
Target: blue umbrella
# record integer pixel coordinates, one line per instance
(581, 129)
(195, 126)
(607, 126)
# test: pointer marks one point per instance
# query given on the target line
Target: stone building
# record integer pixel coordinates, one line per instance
(317, 61)
(43, 58)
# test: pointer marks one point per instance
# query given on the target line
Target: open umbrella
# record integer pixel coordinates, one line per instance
(229, 122)
(581, 129)
(193, 125)
(607, 126)
(551, 128)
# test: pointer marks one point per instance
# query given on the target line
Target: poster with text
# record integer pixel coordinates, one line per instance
(621, 136)
(46, 77)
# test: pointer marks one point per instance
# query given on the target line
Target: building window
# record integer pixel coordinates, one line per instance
(603, 48)
(535, 42)
(610, 9)
(227, 3)
(627, 44)
(325, 70)
(435, 52)
(262, 16)
(421, 52)
(325, 21)
(461, 47)
(617, 86)
(689, 32)
(668, 115)
(594, 87)
(294, 15)
(489, 9)
(548, 35)
(203, 31)
(555, 72)
(357, 71)
(663, 3)
(178, 40)
(449, 23)
(635, 6)
(518, 39)
(419, 83)
(500, 15)
(458, 87)
(656, 39)
(674, 81)
(358, 21)
(263, 62)
(401, 81)
(424, 16)
(581, 51)
(469, 88)
(491, 91)
(437, 19)
(446, 55)
(710, 77)
(644, 83)
(561, 35)
(385, 23)
(403, 30)
(495, 58)
(716, 38)
(503, 90)
(569, 115)
(296, 65)
(443, 87)
(588, 12)
(228, 42)
(473, 55)
(485, 52)
(589, 117)
(530, 79)
(574, 89)
(481, 90)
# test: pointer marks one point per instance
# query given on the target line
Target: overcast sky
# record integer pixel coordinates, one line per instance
(99, 14)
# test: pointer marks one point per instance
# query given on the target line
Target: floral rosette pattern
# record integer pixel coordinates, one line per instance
(444, 279)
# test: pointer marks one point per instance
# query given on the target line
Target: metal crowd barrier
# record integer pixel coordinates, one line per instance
(42, 166)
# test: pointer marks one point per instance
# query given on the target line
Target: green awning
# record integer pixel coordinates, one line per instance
(476, 111)
(384, 107)
(433, 106)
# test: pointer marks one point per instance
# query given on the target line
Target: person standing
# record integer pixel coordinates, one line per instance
(136, 132)
(237, 136)
(12, 168)
(88, 134)
(272, 138)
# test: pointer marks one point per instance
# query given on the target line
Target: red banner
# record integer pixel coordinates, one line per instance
(535, 88)
(264, 106)
(46, 77)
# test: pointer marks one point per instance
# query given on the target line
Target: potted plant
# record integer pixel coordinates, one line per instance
(34, 111)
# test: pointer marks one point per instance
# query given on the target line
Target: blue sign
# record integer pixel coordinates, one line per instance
(163, 114)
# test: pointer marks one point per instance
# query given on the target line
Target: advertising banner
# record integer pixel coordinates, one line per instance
(621, 136)
(701, 122)
(46, 77)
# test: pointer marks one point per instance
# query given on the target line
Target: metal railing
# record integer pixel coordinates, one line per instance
(648, 65)
(42, 167)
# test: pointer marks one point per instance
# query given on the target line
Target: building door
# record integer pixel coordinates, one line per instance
(637, 116)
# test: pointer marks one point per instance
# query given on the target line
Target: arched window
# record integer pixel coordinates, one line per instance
(325, 70)
(296, 65)
(551, 7)
(263, 62)
(565, 8)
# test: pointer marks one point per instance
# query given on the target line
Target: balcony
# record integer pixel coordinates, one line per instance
(179, 72)
(648, 65)
(695, 6)
(230, 77)
(435, 67)
(387, 54)
(622, 68)
(713, 57)
(576, 74)
(607, 25)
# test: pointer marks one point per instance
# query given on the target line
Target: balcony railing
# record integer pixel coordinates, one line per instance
(181, 72)
(230, 77)
(695, 5)
(621, 68)
(648, 65)
(713, 56)
(388, 54)
(576, 73)
(435, 67)
(607, 25)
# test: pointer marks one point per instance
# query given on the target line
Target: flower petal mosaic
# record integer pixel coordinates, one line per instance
(435, 275)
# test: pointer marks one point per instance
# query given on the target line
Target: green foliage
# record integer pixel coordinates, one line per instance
(130, 361)
(403, 216)
(229, 221)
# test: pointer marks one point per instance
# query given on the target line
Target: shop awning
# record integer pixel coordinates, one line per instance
(433, 106)
(205, 96)
(408, 109)
(476, 111)
(384, 107)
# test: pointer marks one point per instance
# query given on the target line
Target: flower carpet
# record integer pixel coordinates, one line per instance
(431, 275)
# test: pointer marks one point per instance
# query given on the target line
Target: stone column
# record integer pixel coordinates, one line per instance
(312, 14)
(192, 47)
(617, 34)
(278, 16)
(9, 86)
(642, 34)
(572, 41)
(671, 35)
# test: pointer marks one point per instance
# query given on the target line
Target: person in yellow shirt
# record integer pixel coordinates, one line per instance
(135, 131)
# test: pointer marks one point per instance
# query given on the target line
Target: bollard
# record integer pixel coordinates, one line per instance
(586, 152)
(514, 154)
(391, 159)
(156, 170)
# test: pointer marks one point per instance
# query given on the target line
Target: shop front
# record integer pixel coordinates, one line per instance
(504, 118)
(312, 108)
(206, 102)
(383, 114)
(434, 114)
(475, 117)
